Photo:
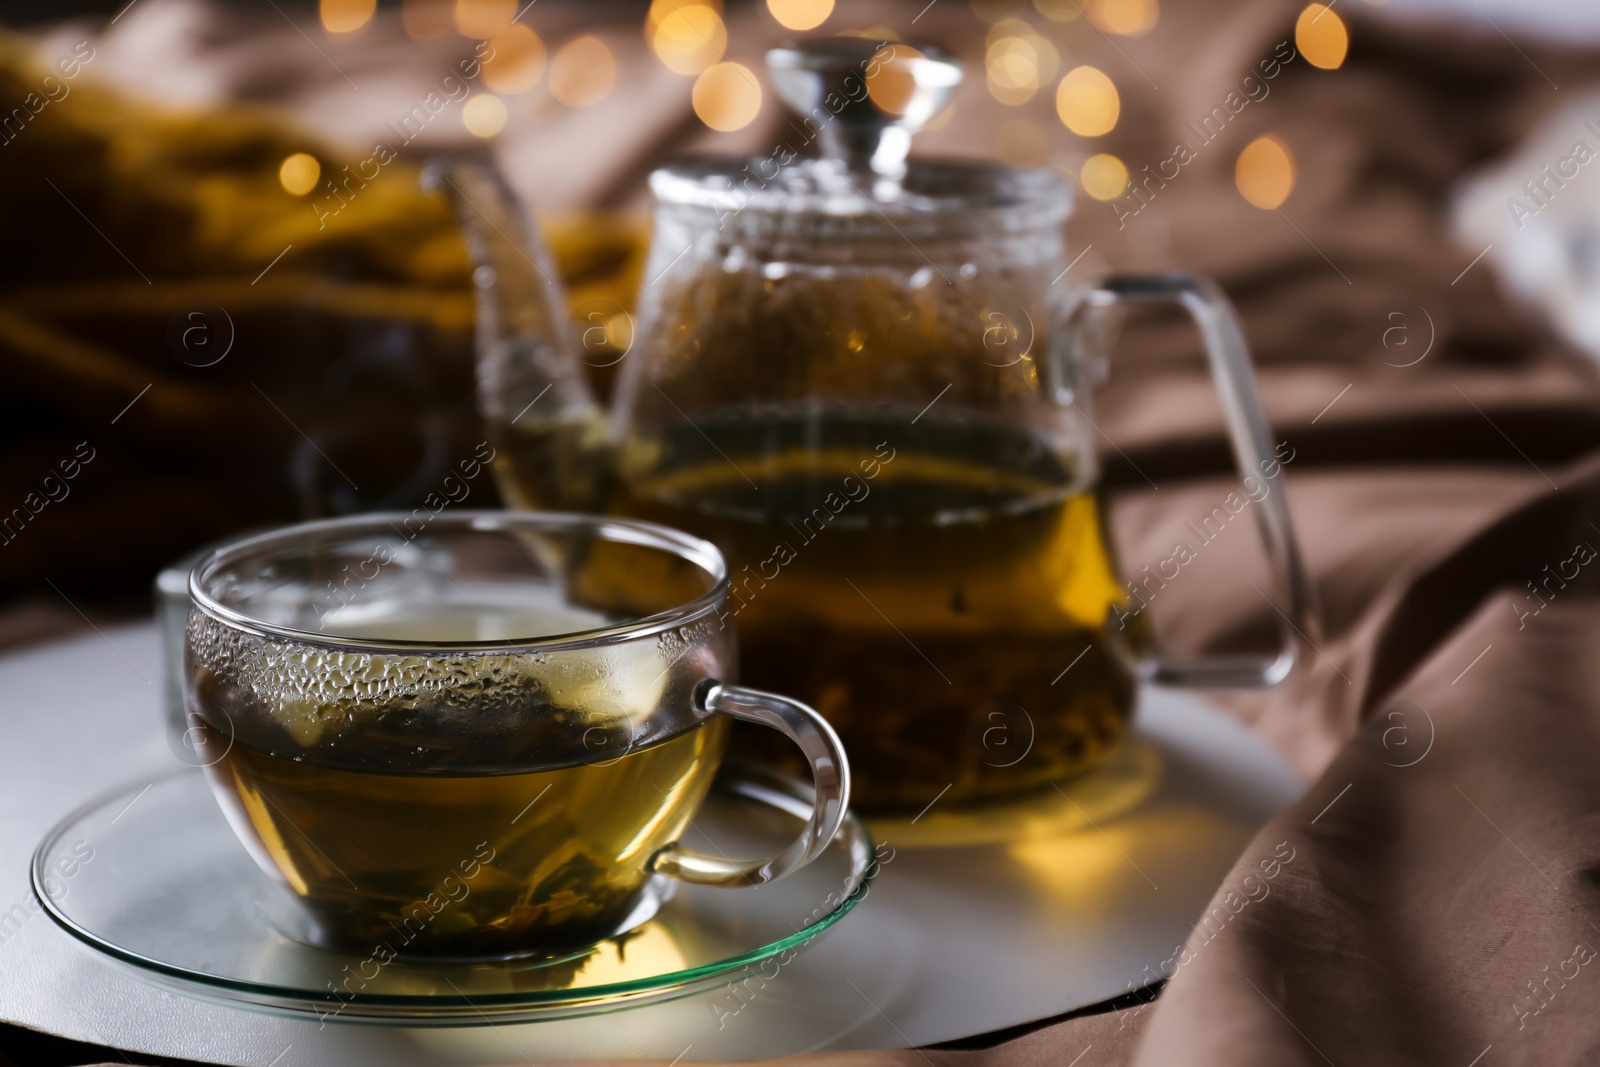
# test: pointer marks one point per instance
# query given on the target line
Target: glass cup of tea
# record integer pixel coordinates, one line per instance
(478, 734)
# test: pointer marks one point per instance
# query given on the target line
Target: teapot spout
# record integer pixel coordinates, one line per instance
(548, 430)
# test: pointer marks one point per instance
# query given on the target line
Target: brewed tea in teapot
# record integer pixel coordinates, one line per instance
(867, 380)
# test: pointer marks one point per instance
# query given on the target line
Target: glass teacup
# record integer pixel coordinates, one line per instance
(478, 734)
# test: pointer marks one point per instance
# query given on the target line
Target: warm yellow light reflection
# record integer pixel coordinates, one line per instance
(1127, 18)
(299, 173)
(650, 949)
(342, 16)
(1059, 10)
(1094, 871)
(1103, 176)
(800, 14)
(1265, 173)
(891, 85)
(1087, 102)
(689, 38)
(426, 19)
(582, 72)
(726, 96)
(484, 18)
(517, 62)
(1321, 37)
(484, 115)
(1081, 862)
(1116, 788)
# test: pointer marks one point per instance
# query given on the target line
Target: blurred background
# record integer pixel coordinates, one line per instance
(230, 301)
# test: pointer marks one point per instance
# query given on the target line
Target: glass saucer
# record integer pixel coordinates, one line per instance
(153, 876)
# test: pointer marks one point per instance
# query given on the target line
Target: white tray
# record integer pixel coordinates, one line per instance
(959, 936)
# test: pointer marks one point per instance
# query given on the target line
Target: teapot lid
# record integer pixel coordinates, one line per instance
(861, 101)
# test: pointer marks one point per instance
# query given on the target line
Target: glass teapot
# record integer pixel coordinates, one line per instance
(867, 379)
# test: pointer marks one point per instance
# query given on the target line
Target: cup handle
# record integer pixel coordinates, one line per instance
(830, 774)
(1231, 371)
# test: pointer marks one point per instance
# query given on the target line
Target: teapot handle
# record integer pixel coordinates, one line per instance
(1229, 357)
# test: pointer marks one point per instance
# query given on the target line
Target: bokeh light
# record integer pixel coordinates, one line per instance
(1103, 176)
(298, 174)
(688, 38)
(484, 115)
(1018, 62)
(726, 96)
(800, 14)
(1087, 102)
(892, 84)
(660, 9)
(484, 19)
(617, 333)
(343, 16)
(426, 19)
(1265, 173)
(1321, 37)
(1059, 10)
(1127, 18)
(582, 72)
(517, 61)
(1012, 71)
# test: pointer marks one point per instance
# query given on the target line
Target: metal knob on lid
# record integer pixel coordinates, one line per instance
(865, 98)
